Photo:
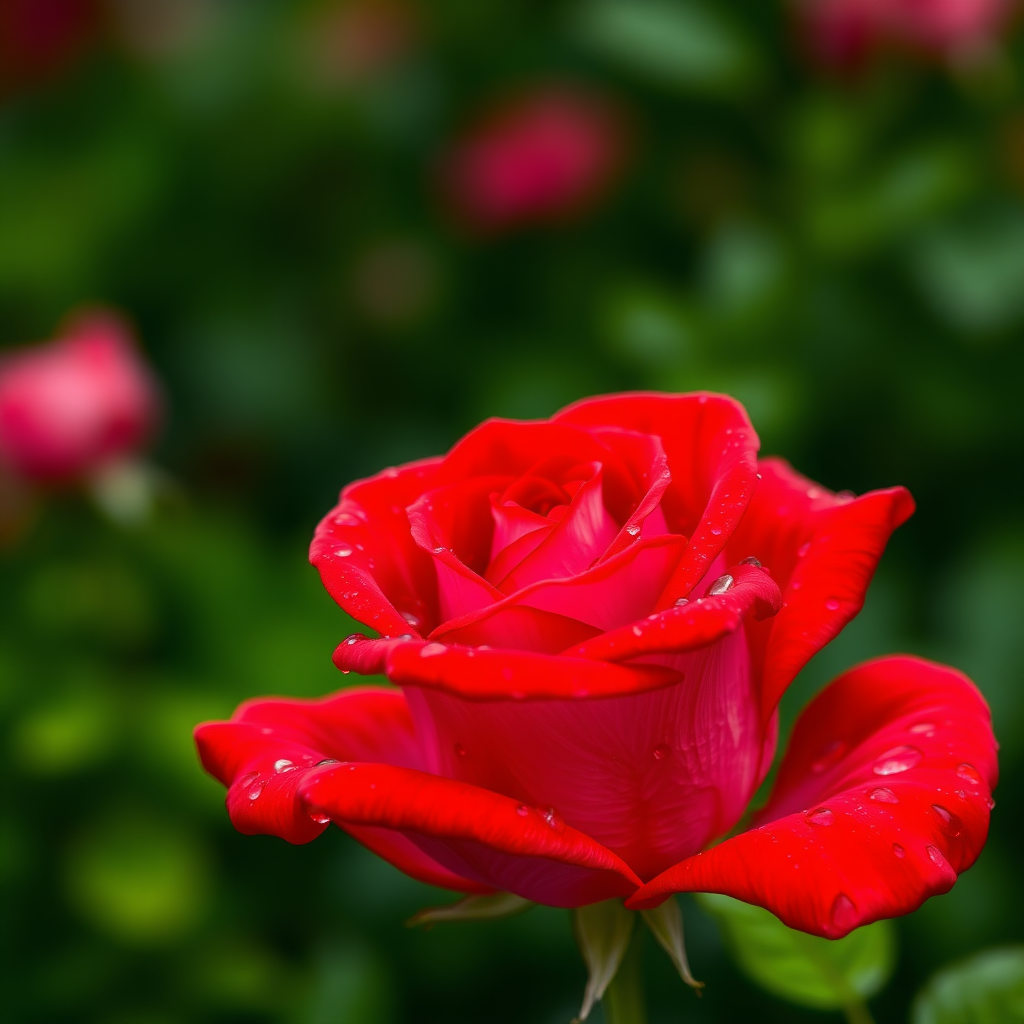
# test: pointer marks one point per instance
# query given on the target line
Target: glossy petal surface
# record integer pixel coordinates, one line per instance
(882, 799)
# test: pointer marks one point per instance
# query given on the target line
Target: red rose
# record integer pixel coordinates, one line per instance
(76, 405)
(842, 33)
(592, 620)
(543, 156)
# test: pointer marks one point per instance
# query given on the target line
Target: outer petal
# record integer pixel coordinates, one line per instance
(367, 558)
(493, 840)
(271, 748)
(882, 799)
(711, 449)
(822, 550)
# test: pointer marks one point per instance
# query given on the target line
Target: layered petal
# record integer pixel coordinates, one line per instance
(711, 451)
(822, 549)
(271, 748)
(367, 558)
(492, 840)
(882, 799)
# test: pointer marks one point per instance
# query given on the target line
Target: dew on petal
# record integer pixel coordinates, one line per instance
(716, 532)
(256, 788)
(432, 650)
(720, 586)
(943, 814)
(926, 729)
(320, 819)
(661, 751)
(898, 850)
(522, 810)
(633, 530)
(750, 560)
(969, 773)
(832, 604)
(326, 760)
(883, 796)
(343, 552)
(413, 620)
(822, 816)
(935, 856)
(553, 818)
(803, 549)
(897, 760)
(637, 631)
(284, 765)
(682, 601)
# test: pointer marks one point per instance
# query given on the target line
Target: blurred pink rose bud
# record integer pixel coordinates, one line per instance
(843, 33)
(71, 408)
(541, 157)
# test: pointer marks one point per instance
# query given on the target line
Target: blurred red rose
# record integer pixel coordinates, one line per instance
(40, 38)
(842, 33)
(76, 405)
(543, 156)
(592, 620)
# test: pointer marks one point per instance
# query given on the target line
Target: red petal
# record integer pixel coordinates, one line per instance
(692, 625)
(822, 550)
(271, 748)
(488, 674)
(367, 558)
(490, 839)
(711, 449)
(881, 801)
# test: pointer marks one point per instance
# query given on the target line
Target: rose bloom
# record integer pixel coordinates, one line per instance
(842, 33)
(589, 622)
(543, 156)
(70, 408)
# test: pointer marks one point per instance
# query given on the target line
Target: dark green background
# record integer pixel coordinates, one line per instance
(846, 257)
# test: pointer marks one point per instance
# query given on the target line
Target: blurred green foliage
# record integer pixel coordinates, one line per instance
(845, 256)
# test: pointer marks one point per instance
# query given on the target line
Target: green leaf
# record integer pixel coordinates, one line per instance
(603, 931)
(680, 43)
(805, 969)
(473, 908)
(666, 924)
(984, 989)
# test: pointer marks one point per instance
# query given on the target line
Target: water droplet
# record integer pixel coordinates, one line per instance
(351, 640)
(989, 803)
(661, 751)
(438, 550)
(720, 586)
(844, 913)
(637, 631)
(460, 750)
(320, 819)
(284, 765)
(935, 855)
(883, 796)
(522, 810)
(750, 560)
(829, 756)
(413, 620)
(256, 788)
(803, 549)
(682, 601)
(633, 530)
(897, 760)
(822, 816)
(553, 818)
(923, 729)
(326, 760)
(343, 552)
(969, 773)
(715, 532)
(832, 604)
(898, 850)
(943, 814)
(432, 650)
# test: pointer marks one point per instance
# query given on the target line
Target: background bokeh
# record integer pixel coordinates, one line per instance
(258, 186)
